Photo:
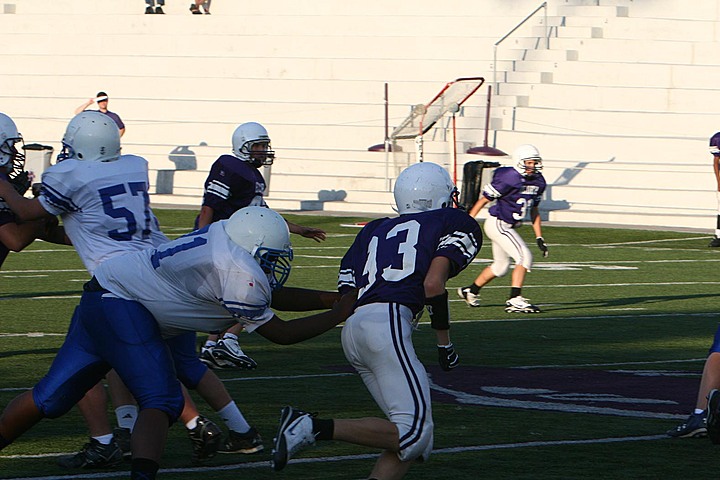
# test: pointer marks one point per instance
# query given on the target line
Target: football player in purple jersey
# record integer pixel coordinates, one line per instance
(14, 235)
(715, 152)
(517, 191)
(235, 182)
(399, 265)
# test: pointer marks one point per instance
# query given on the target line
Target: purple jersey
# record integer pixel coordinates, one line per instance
(390, 257)
(231, 185)
(516, 195)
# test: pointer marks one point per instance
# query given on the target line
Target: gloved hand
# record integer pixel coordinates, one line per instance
(447, 357)
(21, 182)
(542, 246)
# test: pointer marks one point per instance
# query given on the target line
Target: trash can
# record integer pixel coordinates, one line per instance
(475, 175)
(37, 159)
(165, 182)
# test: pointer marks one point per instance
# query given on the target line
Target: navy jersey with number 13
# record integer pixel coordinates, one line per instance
(391, 256)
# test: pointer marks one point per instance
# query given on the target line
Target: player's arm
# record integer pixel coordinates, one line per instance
(716, 168)
(25, 209)
(307, 232)
(291, 299)
(18, 236)
(293, 331)
(436, 299)
(482, 201)
(206, 216)
(537, 228)
(55, 233)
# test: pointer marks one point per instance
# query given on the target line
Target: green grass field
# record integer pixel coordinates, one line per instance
(585, 389)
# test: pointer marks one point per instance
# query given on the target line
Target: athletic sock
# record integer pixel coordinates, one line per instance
(104, 439)
(474, 289)
(515, 292)
(126, 416)
(323, 429)
(144, 469)
(233, 418)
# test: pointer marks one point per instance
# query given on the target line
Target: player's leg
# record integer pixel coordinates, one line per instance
(377, 342)
(129, 339)
(74, 371)
(126, 411)
(102, 449)
(507, 243)
(499, 267)
(696, 424)
(242, 438)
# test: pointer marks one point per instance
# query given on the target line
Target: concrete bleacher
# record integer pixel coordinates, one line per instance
(621, 103)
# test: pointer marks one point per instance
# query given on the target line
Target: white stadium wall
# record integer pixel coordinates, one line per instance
(619, 96)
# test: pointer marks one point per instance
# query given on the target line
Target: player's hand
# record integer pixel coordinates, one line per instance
(36, 189)
(346, 303)
(542, 246)
(21, 182)
(314, 233)
(447, 357)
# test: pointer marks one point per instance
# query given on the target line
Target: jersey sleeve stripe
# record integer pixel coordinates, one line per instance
(58, 200)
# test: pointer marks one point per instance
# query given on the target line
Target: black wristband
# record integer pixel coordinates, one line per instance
(439, 311)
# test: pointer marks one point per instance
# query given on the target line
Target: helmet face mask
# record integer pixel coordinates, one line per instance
(91, 137)
(11, 160)
(251, 143)
(264, 234)
(527, 160)
(422, 187)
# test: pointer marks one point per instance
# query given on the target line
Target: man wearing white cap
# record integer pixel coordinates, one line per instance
(102, 102)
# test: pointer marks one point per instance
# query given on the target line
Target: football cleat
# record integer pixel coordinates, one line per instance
(520, 305)
(94, 455)
(694, 427)
(205, 437)
(211, 362)
(195, 10)
(713, 416)
(159, 10)
(149, 10)
(715, 242)
(122, 437)
(248, 442)
(470, 298)
(295, 433)
(228, 350)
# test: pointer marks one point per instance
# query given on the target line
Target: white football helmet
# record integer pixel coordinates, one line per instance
(527, 152)
(243, 139)
(265, 235)
(10, 158)
(423, 186)
(91, 137)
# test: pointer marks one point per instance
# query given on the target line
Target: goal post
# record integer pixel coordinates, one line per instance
(424, 116)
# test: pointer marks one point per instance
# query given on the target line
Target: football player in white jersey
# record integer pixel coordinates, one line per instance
(207, 280)
(102, 198)
(399, 265)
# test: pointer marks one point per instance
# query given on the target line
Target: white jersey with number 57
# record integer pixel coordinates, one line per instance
(104, 206)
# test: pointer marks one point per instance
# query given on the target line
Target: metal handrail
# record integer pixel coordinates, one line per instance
(547, 38)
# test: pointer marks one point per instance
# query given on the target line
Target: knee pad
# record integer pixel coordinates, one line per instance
(416, 441)
(500, 268)
(188, 366)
